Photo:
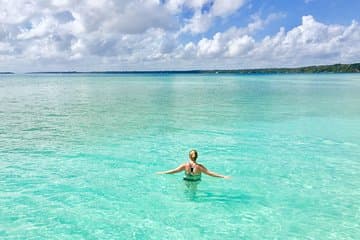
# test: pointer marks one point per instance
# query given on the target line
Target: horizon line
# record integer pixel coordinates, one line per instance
(239, 70)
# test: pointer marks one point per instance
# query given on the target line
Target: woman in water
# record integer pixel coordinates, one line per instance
(193, 169)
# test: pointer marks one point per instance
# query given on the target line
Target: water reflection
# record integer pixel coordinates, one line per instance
(193, 192)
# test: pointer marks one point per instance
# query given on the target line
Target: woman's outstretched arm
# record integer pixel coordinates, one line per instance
(176, 170)
(213, 174)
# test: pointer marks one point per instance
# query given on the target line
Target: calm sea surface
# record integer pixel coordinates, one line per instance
(78, 155)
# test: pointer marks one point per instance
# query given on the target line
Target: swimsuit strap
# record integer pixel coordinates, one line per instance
(191, 168)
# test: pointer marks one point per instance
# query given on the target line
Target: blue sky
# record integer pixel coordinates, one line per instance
(65, 35)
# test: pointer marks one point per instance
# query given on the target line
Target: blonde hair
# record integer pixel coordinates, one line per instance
(196, 154)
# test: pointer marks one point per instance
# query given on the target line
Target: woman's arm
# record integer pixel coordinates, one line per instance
(213, 174)
(176, 170)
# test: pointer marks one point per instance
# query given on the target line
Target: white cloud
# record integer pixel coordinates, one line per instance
(44, 27)
(224, 8)
(314, 40)
(14, 12)
(5, 48)
(228, 44)
(234, 41)
(63, 30)
(210, 47)
(258, 23)
(239, 46)
(311, 42)
(152, 34)
(177, 5)
(199, 23)
(202, 21)
(152, 15)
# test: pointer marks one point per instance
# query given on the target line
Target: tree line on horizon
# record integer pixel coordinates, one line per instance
(335, 68)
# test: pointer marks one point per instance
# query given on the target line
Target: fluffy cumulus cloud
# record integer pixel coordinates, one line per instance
(201, 20)
(311, 42)
(224, 8)
(160, 34)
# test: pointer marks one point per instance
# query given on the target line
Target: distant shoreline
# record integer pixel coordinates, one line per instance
(334, 68)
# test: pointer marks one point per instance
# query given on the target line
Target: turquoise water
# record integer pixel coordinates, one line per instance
(78, 155)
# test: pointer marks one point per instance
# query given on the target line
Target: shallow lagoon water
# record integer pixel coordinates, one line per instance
(78, 155)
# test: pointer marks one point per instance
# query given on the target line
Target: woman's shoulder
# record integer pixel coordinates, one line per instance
(200, 165)
(185, 164)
